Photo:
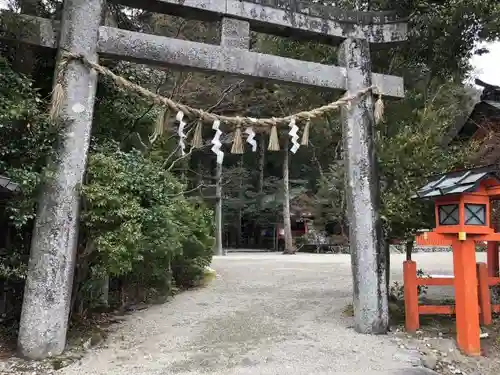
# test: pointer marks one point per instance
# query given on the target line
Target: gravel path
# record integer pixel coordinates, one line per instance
(265, 314)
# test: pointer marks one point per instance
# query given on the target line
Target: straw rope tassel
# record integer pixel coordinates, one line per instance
(58, 92)
(159, 125)
(162, 122)
(197, 141)
(274, 144)
(237, 142)
(379, 109)
(305, 134)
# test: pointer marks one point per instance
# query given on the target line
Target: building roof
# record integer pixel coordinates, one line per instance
(493, 103)
(7, 186)
(487, 109)
(456, 182)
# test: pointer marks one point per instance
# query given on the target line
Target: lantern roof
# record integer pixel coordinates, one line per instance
(7, 185)
(456, 182)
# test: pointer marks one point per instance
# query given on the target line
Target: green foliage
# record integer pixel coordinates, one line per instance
(136, 225)
(396, 291)
(331, 195)
(443, 35)
(26, 141)
(140, 223)
(409, 149)
(413, 151)
(445, 32)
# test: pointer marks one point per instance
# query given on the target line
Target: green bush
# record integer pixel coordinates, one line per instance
(26, 141)
(136, 226)
(139, 223)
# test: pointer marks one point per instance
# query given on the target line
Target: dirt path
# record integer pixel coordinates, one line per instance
(265, 314)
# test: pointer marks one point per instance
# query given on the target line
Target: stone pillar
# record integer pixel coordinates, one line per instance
(234, 34)
(363, 194)
(47, 296)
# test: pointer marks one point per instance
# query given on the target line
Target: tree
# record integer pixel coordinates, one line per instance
(433, 63)
(409, 149)
(287, 224)
(413, 151)
(131, 198)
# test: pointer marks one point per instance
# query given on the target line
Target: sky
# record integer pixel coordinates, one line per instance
(486, 67)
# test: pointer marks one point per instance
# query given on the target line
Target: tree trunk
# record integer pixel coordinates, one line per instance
(387, 252)
(287, 223)
(409, 249)
(199, 171)
(103, 291)
(240, 206)
(262, 161)
(218, 210)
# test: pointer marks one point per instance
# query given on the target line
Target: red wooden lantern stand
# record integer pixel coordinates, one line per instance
(462, 207)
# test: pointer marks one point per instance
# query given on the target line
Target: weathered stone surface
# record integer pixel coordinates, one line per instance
(362, 190)
(318, 9)
(235, 33)
(47, 295)
(430, 361)
(287, 17)
(158, 50)
(32, 30)
(270, 18)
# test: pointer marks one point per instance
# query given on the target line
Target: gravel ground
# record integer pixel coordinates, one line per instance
(265, 314)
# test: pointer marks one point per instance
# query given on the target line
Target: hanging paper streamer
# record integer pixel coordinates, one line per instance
(216, 142)
(251, 138)
(293, 134)
(180, 132)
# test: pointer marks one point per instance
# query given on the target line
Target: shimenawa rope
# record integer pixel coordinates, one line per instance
(267, 123)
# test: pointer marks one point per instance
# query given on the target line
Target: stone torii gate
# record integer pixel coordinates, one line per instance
(44, 319)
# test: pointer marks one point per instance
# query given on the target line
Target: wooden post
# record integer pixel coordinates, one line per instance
(466, 297)
(493, 259)
(484, 293)
(412, 319)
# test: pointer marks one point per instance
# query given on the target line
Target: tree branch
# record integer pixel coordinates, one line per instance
(186, 191)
